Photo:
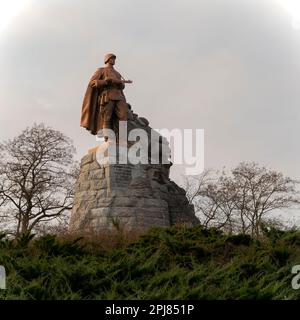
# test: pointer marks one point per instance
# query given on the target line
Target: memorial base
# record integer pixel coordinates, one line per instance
(130, 196)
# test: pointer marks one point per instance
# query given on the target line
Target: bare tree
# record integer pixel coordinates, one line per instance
(37, 175)
(261, 191)
(240, 201)
(212, 196)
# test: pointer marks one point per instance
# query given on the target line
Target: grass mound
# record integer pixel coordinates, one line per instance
(172, 263)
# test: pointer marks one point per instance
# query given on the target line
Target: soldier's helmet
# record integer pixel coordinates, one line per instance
(108, 56)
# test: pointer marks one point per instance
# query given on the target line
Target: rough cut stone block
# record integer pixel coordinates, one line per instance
(96, 174)
(87, 159)
(137, 196)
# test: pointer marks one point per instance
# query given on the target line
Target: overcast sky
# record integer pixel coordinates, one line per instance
(230, 67)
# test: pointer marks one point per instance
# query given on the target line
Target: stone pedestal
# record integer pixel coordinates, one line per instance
(131, 196)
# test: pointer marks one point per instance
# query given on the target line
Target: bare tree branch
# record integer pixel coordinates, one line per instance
(240, 201)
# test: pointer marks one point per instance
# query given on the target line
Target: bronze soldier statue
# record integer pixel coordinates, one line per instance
(104, 104)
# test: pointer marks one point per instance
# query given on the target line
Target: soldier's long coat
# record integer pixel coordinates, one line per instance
(91, 118)
(90, 114)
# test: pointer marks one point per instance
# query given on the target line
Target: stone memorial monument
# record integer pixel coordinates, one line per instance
(113, 188)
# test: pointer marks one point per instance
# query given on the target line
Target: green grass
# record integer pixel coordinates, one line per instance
(173, 263)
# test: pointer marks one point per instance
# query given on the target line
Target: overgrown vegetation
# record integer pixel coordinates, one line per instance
(173, 263)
